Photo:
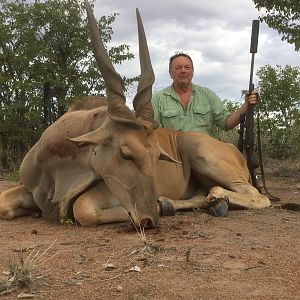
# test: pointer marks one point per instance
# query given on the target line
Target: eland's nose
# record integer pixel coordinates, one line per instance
(147, 223)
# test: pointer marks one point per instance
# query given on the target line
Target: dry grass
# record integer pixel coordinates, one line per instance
(147, 248)
(283, 168)
(139, 229)
(25, 272)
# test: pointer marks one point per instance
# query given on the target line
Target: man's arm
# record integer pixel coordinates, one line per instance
(234, 119)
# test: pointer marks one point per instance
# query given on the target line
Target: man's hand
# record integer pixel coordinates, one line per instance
(252, 98)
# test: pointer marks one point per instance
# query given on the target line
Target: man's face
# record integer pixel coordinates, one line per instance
(181, 70)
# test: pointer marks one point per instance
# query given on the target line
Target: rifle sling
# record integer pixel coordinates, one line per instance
(263, 187)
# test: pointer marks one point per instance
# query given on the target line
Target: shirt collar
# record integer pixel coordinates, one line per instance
(169, 91)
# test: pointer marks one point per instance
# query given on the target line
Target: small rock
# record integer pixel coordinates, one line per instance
(134, 269)
(34, 231)
(234, 265)
(119, 288)
(25, 296)
(109, 266)
(6, 273)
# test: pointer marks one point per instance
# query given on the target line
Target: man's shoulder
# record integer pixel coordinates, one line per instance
(205, 92)
(161, 95)
(167, 90)
(201, 89)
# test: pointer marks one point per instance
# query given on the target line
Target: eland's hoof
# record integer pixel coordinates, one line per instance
(166, 207)
(218, 208)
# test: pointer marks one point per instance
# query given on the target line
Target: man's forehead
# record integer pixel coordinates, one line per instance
(178, 61)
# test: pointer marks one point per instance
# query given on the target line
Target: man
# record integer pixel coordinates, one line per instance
(186, 106)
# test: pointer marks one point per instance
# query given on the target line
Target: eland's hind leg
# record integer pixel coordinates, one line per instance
(17, 202)
(168, 207)
(245, 196)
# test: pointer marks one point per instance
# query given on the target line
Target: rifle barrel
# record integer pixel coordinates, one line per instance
(254, 36)
(253, 50)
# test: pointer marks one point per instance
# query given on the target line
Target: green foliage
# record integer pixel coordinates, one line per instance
(231, 106)
(281, 145)
(46, 60)
(283, 16)
(283, 167)
(280, 92)
(279, 108)
(14, 176)
(230, 136)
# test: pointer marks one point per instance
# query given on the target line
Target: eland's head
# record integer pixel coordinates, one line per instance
(124, 150)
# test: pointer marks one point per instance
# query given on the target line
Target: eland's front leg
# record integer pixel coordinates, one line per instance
(17, 202)
(98, 206)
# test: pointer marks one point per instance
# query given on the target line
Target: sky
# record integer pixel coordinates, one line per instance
(216, 34)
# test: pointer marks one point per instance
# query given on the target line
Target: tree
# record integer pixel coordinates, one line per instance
(45, 61)
(283, 16)
(230, 136)
(279, 108)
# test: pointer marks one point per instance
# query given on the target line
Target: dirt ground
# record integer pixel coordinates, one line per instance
(246, 255)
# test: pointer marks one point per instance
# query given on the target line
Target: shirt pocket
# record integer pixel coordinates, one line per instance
(170, 119)
(170, 113)
(202, 115)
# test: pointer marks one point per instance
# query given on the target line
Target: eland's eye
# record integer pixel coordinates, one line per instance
(125, 153)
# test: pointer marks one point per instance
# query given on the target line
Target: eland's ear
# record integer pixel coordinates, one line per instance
(98, 136)
(165, 156)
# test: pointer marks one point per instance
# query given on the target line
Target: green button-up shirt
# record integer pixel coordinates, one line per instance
(205, 110)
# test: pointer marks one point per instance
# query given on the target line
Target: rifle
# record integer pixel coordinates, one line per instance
(250, 110)
(246, 124)
(249, 126)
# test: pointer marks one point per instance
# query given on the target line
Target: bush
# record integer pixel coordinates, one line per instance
(281, 145)
(15, 176)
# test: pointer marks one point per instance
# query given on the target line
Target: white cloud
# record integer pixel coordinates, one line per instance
(216, 34)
